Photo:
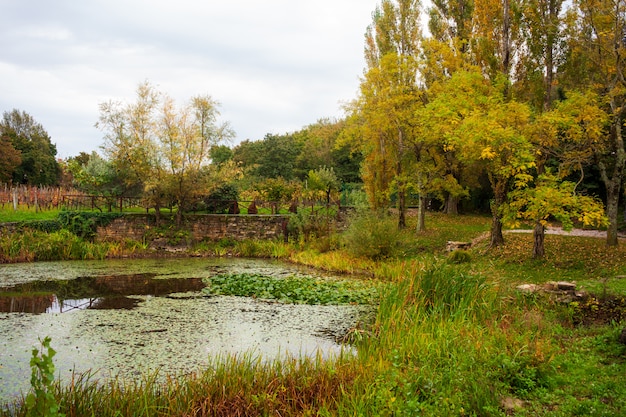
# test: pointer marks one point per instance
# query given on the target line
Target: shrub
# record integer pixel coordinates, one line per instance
(372, 235)
(459, 257)
(47, 226)
(221, 199)
(83, 223)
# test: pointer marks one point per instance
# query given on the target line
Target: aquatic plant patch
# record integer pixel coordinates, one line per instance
(300, 290)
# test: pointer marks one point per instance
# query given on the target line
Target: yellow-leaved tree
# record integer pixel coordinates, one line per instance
(549, 199)
(482, 128)
(164, 147)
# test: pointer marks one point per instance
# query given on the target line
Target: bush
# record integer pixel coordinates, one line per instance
(221, 199)
(84, 224)
(459, 257)
(47, 226)
(372, 235)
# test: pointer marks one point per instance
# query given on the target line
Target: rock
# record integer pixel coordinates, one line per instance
(566, 286)
(561, 286)
(510, 404)
(622, 337)
(451, 246)
(527, 288)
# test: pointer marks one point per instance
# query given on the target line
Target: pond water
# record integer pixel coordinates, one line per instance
(126, 318)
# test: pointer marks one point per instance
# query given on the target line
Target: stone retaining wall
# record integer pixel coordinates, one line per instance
(199, 226)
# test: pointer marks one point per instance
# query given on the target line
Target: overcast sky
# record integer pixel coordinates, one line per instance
(274, 65)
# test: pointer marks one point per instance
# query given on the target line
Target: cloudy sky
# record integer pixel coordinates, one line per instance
(274, 65)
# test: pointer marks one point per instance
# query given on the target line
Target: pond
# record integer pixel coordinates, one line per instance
(127, 318)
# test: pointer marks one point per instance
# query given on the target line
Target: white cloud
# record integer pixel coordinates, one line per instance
(275, 65)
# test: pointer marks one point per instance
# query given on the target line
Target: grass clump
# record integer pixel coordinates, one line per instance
(32, 245)
(459, 257)
(302, 290)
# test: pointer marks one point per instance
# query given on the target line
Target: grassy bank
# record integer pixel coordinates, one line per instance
(452, 337)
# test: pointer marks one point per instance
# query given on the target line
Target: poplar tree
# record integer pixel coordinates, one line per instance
(384, 111)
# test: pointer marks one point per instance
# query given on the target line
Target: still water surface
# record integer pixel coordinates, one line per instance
(129, 317)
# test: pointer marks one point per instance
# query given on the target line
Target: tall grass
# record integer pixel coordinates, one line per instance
(32, 245)
(439, 348)
(230, 386)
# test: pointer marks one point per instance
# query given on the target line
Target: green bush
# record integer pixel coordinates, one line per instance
(221, 199)
(459, 257)
(47, 226)
(41, 401)
(84, 224)
(372, 235)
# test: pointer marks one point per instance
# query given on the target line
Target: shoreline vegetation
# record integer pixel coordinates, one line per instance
(452, 335)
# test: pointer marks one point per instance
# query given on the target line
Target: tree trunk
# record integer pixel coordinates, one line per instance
(452, 205)
(421, 214)
(612, 201)
(401, 208)
(497, 239)
(539, 234)
(499, 190)
(157, 214)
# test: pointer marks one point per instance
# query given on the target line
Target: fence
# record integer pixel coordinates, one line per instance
(39, 198)
(47, 198)
(98, 202)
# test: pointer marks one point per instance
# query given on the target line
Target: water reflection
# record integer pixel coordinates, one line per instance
(95, 293)
(130, 318)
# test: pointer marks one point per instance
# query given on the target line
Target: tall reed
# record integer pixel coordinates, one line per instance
(244, 385)
(438, 328)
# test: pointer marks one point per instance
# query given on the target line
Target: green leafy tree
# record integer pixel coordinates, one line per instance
(274, 156)
(541, 26)
(99, 177)
(220, 154)
(485, 129)
(38, 165)
(317, 144)
(10, 159)
(325, 181)
(278, 157)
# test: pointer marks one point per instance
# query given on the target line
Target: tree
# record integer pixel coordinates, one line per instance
(481, 127)
(384, 112)
(278, 157)
(318, 146)
(596, 59)
(542, 30)
(38, 165)
(10, 159)
(130, 143)
(163, 147)
(323, 179)
(220, 154)
(97, 177)
(551, 198)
